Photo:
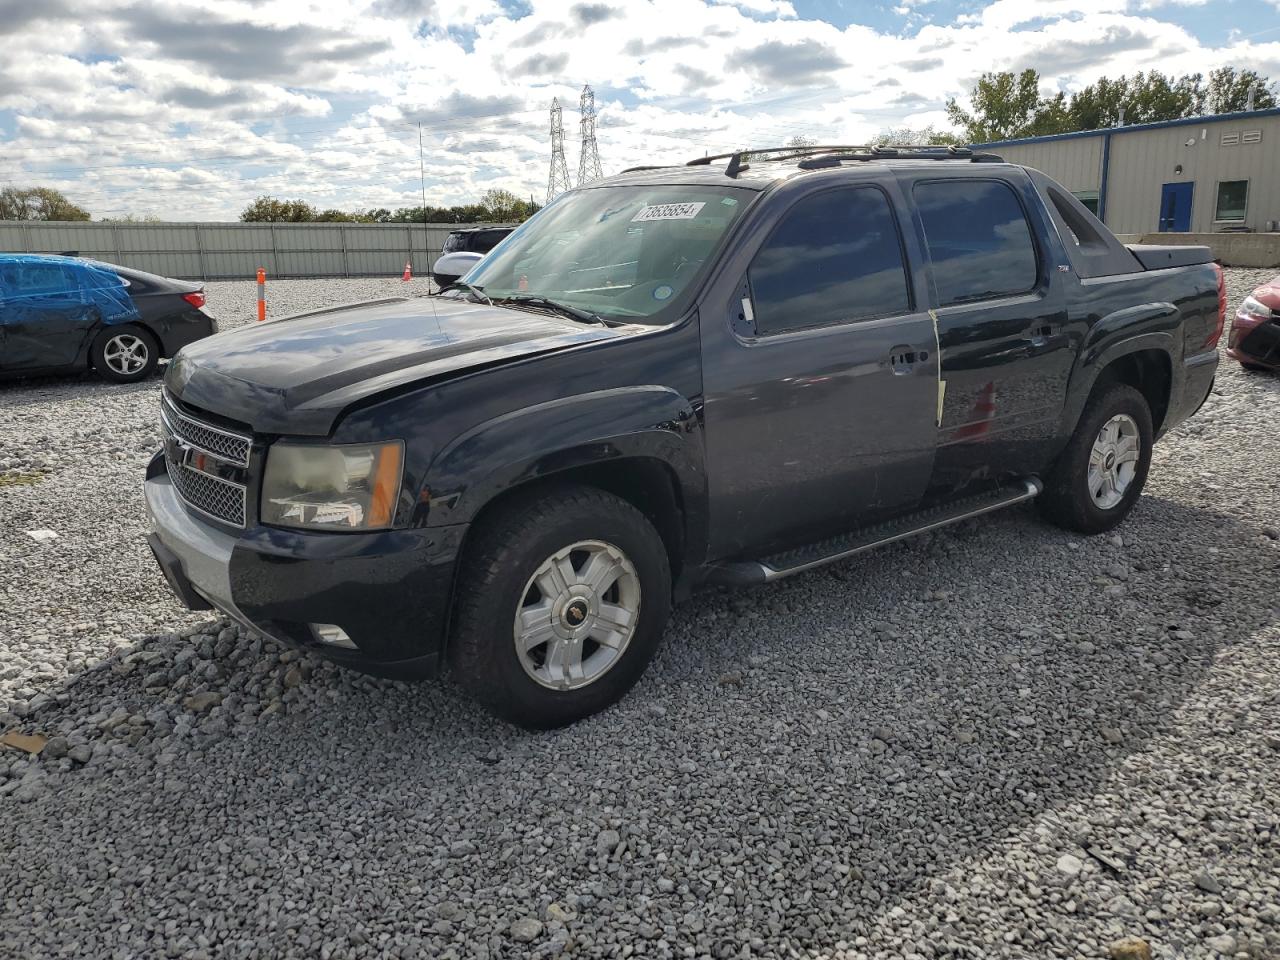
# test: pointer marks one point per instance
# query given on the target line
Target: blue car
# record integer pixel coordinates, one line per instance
(61, 314)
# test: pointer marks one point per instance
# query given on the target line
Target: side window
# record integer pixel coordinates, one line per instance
(978, 239)
(36, 278)
(835, 257)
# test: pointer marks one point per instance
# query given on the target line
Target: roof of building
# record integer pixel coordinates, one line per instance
(1137, 127)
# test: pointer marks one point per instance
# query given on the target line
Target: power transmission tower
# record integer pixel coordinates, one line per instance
(558, 181)
(589, 161)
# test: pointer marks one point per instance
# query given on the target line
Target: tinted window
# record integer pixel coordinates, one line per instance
(23, 279)
(978, 239)
(1232, 195)
(835, 257)
(486, 240)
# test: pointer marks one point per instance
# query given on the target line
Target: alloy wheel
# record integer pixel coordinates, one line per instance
(1113, 461)
(126, 354)
(577, 615)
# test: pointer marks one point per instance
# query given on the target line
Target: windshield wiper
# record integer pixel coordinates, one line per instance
(470, 288)
(568, 310)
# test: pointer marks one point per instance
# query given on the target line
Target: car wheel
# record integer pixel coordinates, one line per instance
(125, 354)
(561, 603)
(1099, 476)
(1254, 367)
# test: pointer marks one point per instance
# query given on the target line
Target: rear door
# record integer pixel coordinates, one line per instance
(46, 315)
(1001, 325)
(820, 383)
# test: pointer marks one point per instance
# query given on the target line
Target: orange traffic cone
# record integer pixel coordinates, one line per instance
(408, 272)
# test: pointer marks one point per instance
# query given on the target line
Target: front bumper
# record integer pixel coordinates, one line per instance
(389, 591)
(1255, 341)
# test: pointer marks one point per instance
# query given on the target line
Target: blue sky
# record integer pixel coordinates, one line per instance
(188, 110)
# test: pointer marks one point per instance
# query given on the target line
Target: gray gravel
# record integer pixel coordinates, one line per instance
(999, 741)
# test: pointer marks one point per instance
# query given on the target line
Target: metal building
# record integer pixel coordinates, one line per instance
(1198, 175)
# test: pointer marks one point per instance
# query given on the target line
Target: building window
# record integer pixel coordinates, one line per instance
(1089, 198)
(1232, 195)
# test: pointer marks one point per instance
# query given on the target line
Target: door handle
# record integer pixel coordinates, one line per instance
(903, 358)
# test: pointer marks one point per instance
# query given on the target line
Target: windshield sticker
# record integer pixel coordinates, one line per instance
(668, 211)
(662, 292)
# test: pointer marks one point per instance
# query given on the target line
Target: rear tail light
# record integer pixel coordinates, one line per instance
(1216, 334)
(196, 299)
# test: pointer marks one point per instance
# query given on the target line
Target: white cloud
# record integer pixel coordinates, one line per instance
(191, 110)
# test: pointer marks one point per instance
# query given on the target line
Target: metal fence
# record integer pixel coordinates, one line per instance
(212, 251)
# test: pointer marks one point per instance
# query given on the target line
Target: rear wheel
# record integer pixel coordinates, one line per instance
(1100, 475)
(561, 603)
(125, 354)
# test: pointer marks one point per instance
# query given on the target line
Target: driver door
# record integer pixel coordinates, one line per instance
(821, 405)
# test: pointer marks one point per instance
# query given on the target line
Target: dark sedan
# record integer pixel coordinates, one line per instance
(68, 313)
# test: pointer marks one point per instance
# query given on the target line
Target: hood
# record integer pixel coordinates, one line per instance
(298, 374)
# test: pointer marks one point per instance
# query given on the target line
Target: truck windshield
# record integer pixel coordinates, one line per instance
(626, 252)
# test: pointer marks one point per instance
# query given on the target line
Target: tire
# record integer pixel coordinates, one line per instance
(125, 354)
(1071, 499)
(1254, 367)
(498, 594)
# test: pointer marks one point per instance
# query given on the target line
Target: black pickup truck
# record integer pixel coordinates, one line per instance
(710, 373)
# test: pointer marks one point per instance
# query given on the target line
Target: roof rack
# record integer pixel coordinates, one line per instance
(813, 157)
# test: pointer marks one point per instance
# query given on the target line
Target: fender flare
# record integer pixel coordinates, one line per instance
(1112, 338)
(546, 439)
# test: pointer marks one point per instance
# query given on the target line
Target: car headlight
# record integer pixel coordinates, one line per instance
(332, 487)
(1255, 309)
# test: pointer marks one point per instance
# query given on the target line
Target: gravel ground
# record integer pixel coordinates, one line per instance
(1001, 740)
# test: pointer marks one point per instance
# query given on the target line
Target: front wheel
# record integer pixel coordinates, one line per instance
(125, 354)
(561, 602)
(1099, 476)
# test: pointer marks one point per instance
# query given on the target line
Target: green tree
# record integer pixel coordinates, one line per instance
(505, 206)
(1228, 91)
(271, 210)
(38, 203)
(913, 136)
(1144, 98)
(1005, 106)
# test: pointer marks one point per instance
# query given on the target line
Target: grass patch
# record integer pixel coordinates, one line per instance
(20, 479)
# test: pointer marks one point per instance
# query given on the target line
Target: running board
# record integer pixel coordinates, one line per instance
(747, 572)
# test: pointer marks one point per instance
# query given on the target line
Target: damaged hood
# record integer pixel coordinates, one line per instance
(298, 374)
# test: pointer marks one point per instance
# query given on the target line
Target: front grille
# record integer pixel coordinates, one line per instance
(205, 462)
(1262, 343)
(220, 499)
(223, 444)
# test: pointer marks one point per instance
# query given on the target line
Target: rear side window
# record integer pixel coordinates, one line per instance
(454, 242)
(978, 239)
(835, 257)
(26, 279)
(486, 240)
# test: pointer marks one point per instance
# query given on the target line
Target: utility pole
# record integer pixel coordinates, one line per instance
(422, 179)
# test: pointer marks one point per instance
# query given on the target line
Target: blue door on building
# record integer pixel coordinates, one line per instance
(1175, 207)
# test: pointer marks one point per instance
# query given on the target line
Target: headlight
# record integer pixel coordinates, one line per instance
(1251, 307)
(349, 487)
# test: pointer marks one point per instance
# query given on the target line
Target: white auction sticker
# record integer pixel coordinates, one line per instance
(668, 211)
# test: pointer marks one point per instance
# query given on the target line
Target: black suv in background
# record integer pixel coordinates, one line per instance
(675, 376)
(463, 249)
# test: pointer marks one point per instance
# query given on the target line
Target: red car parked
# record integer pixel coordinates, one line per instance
(1255, 331)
